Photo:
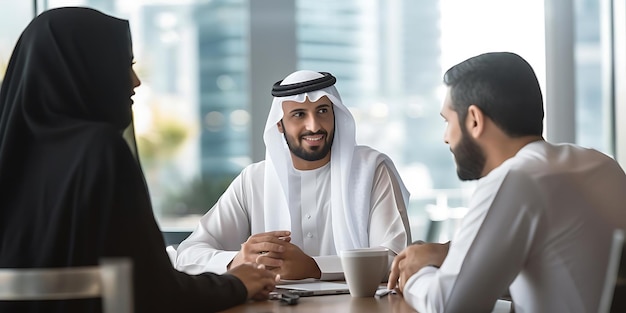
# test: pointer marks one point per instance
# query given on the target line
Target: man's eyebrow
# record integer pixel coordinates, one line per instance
(297, 110)
(324, 105)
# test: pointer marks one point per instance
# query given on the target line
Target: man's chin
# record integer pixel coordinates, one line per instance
(312, 147)
(314, 156)
(466, 175)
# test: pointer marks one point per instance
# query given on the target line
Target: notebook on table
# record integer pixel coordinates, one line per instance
(313, 288)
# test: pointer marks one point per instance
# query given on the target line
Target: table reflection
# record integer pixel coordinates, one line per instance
(337, 303)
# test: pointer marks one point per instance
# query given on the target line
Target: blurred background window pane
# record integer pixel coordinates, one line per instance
(593, 110)
(14, 16)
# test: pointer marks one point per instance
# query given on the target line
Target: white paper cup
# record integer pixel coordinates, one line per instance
(364, 269)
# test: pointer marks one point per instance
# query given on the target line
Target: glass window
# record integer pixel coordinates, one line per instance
(593, 108)
(191, 117)
(13, 19)
(389, 57)
(192, 112)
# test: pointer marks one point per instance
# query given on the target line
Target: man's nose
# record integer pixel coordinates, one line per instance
(312, 124)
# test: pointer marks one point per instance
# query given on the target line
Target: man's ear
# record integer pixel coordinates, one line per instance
(280, 126)
(475, 121)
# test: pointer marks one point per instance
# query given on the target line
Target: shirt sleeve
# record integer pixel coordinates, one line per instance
(488, 252)
(219, 234)
(389, 226)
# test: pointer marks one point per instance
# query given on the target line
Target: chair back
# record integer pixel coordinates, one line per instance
(611, 271)
(111, 280)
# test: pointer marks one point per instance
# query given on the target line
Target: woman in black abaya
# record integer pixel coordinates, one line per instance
(71, 191)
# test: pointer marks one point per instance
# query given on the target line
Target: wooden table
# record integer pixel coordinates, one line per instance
(335, 303)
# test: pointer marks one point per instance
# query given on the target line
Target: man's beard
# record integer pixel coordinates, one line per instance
(470, 158)
(317, 152)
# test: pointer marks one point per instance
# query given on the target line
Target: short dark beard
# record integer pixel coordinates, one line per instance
(315, 155)
(470, 157)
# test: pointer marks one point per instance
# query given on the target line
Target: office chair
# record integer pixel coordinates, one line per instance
(611, 271)
(111, 280)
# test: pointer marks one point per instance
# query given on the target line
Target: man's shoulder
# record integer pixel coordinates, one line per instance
(255, 165)
(372, 157)
(365, 149)
(544, 163)
(544, 158)
(365, 153)
(254, 169)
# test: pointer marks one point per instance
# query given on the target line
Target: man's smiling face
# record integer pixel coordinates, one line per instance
(309, 129)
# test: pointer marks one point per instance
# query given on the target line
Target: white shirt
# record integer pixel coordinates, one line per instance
(536, 223)
(239, 213)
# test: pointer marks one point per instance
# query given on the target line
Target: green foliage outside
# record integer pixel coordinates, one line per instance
(157, 148)
(162, 143)
(197, 197)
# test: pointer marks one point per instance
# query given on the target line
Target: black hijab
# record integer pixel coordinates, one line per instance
(71, 191)
(62, 78)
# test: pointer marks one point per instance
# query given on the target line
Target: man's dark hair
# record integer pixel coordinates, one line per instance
(504, 86)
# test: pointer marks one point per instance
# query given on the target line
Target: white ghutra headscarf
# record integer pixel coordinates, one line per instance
(351, 178)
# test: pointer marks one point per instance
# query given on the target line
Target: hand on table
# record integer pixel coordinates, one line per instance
(262, 243)
(295, 263)
(259, 281)
(275, 251)
(412, 259)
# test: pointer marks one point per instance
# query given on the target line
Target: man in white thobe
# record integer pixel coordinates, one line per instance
(542, 217)
(315, 194)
